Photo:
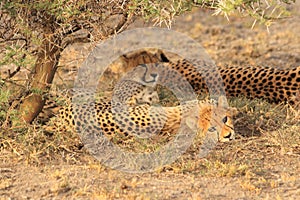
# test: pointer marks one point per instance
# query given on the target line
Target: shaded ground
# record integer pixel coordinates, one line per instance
(263, 163)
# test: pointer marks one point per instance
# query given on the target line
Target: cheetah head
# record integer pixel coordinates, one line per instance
(217, 118)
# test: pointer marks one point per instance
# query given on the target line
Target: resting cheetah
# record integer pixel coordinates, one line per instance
(268, 83)
(145, 120)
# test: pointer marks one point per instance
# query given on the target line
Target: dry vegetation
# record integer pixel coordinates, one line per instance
(263, 163)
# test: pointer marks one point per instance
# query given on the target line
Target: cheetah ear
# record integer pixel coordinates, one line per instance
(222, 102)
(160, 54)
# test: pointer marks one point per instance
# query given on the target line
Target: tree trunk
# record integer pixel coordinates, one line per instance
(43, 74)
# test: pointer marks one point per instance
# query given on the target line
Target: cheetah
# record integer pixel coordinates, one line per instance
(145, 120)
(268, 83)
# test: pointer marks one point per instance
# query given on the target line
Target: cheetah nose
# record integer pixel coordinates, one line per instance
(154, 76)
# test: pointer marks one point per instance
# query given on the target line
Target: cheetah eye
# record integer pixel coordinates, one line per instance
(228, 136)
(225, 119)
